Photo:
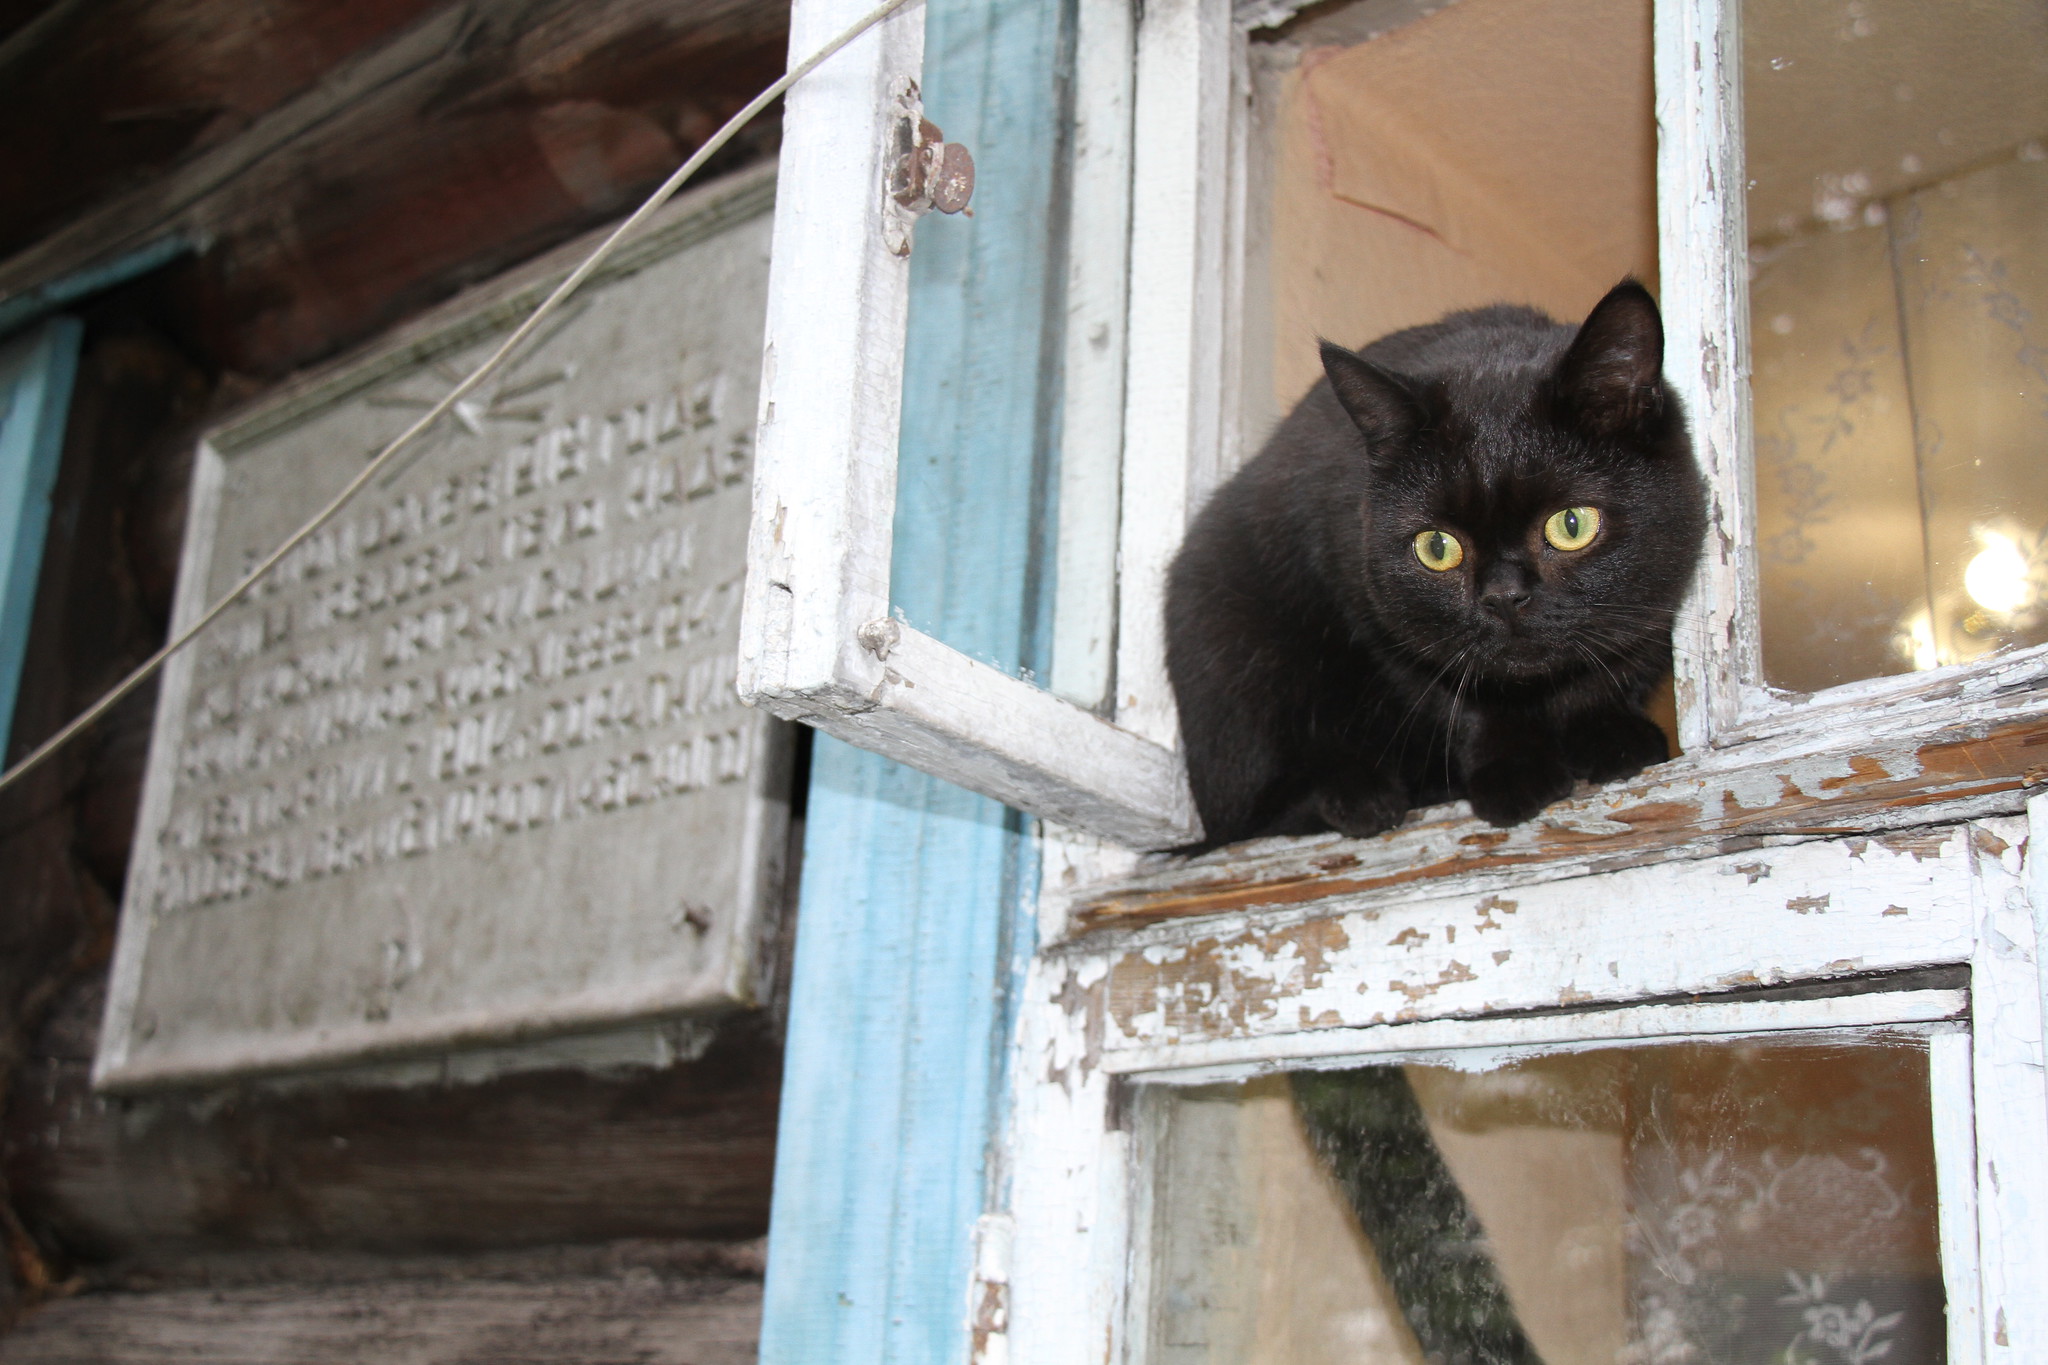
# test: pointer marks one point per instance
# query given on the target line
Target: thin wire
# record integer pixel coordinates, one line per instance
(477, 376)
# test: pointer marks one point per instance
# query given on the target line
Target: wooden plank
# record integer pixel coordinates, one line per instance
(1811, 911)
(910, 887)
(831, 383)
(2011, 1100)
(1079, 1190)
(1477, 1044)
(140, 87)
(453, 1158)
(915, 893)
(642, 1318)
(944, 713)
(36, 374)
(136, 218)
(1703, 251)
(1897, 769)
(1955, 1175)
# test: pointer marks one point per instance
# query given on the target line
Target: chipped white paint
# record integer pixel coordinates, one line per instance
(467, 769)
(1703, 250)
(1817, 910)
(1885, 775)
(1610, 957)
(1954, 1108)
(2011, 1101)
(1076, 1190)
(1485, 1044)
(1175, 391)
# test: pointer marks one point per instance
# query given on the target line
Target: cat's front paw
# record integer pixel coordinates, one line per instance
(1361, 810)
(1607, 748)
(1509, 791)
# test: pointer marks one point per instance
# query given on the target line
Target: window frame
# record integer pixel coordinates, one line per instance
(1109, 1016)
(1771, 790)
(819, 642)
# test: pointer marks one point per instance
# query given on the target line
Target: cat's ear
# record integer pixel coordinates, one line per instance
(1611, 380)
(1381, 402)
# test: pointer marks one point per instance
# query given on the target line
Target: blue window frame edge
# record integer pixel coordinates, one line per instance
(917, 902)
(37, 371)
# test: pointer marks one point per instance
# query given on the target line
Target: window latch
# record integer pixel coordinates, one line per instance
(930, 173)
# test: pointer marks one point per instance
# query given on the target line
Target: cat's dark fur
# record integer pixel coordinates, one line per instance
(1328, 680)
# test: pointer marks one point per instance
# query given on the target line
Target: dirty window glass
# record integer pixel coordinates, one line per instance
(1747, 1202)
(1898, 243)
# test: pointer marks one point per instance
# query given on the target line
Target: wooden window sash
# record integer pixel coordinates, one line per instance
(818, 641)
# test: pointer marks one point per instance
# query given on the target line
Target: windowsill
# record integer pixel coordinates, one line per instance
(1893, 771)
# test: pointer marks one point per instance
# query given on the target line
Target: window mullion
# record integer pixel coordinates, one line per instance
(1702, 232)
(1173, 392)
(2010, 1103)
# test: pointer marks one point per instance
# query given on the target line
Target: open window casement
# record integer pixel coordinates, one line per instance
(1740, 1058)
(825, 638)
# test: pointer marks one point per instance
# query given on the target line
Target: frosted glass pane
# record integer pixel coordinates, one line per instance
(1689, 1203)
(1898, 214)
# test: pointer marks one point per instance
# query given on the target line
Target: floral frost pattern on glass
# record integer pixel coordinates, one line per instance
(1854, 1335)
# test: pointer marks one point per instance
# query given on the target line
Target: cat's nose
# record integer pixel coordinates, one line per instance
(1507, 605)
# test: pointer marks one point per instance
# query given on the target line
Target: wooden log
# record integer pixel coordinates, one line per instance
(137, 85)
(524, 1159)
(639, 1315)
(464, 143)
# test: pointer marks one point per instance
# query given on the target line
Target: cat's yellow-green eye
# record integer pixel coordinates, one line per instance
(1573, 528)
(1439, 550)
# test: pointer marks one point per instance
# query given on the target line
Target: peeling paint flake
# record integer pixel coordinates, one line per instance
(1489, 905)
(1809, 905)
(1449, 976)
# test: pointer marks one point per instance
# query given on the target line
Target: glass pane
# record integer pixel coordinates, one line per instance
(1898, 219)
(1675, 1205)
(977, 470)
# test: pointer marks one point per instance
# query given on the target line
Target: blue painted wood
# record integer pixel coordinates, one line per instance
(36, 372)
(915, 910)
(31, 305)
(977, 463)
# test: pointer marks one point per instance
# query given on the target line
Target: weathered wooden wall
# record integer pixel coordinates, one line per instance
(332, 169)
(343, 165)
(657, 1303)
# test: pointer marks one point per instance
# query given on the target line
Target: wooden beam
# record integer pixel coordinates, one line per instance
(465, 142)
(522, 1159)
(638, 1315)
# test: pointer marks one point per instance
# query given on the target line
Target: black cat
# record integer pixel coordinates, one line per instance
(1451, 572)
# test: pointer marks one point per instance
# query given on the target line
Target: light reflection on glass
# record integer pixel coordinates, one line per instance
(1898, 217)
